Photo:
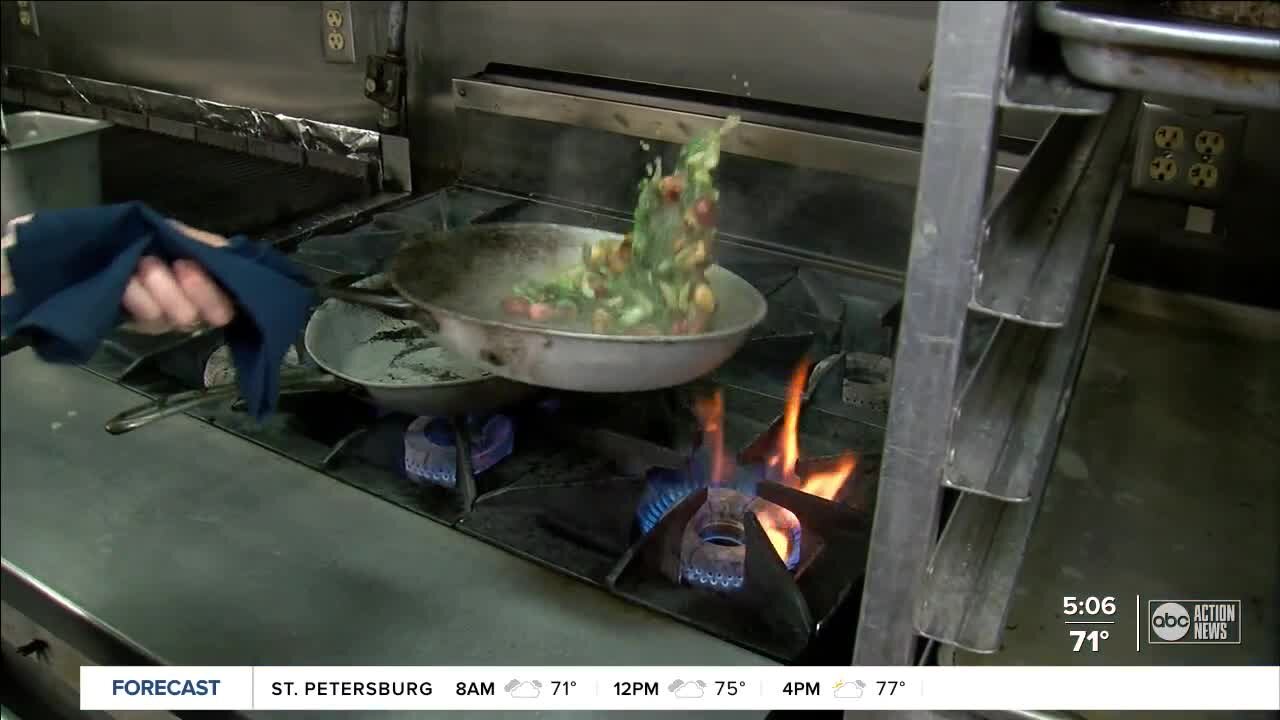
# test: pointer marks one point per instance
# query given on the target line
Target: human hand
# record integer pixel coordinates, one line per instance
(162, 297)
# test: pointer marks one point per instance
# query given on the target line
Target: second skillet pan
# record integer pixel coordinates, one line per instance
(356, 348)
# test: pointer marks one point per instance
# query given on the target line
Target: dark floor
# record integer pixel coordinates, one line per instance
(26, 694)
(1167, 485)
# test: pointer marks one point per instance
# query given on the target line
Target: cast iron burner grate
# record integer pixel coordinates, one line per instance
(571, 505)
(774, 611)
(703, 554)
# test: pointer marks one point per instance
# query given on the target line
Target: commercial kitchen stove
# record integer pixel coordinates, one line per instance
(615, 490)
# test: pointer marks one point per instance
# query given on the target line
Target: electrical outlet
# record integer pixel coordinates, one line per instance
(1187, 156)
(1169, 137)
(338, 43)
(1203, 176)
(27, 19)
(1163, 169)
(1209, 142)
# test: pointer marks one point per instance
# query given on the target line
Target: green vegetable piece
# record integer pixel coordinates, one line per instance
(656, 283)
(633, 316)
(670, 294)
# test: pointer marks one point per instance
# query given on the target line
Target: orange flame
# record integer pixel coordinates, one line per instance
(775, 520)
(789, 440)
(710, 413)
(825, 484)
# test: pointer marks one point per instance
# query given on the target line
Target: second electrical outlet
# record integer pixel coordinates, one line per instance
(1186, 156)
(337, 43)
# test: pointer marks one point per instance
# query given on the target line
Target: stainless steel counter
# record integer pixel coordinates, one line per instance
(204, 549)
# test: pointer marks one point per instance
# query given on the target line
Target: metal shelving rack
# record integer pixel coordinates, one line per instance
(1013, 278)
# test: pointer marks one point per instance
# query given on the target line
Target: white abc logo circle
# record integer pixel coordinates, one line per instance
(1171, 621)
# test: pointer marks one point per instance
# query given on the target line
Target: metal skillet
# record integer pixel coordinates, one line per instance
(357, 348)
(452, 283)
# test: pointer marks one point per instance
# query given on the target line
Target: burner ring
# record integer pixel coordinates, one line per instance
(713, 551)
(431, 456)
(723, 534)
(719, 558)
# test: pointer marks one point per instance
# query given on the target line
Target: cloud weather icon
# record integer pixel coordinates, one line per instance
(692, 689)
(527, 689)
(850, 690)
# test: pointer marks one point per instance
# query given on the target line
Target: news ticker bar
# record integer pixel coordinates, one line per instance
(679, 688)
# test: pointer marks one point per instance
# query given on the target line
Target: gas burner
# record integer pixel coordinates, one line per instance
(867, 381)
(665, 488)
(773, 457)
(753, 545)
(713, 552)
(430, 448)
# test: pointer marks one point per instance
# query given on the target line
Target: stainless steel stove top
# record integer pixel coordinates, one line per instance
(599, 487)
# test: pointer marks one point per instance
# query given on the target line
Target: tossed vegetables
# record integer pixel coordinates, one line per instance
(653, 280)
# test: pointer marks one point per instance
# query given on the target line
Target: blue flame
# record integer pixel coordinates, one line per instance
(665, 488)
(696, 576)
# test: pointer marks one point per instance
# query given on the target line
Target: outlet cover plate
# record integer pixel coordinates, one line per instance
(27, 19)
(346, 53)
(1152, 117)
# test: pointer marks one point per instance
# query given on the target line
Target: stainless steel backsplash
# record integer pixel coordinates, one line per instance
(865, 58)
(856, 57)
(264, 55)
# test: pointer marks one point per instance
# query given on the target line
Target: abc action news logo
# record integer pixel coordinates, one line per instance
(1193, 622)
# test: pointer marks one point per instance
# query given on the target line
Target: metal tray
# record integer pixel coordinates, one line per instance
(1240, 66)
(52, 161)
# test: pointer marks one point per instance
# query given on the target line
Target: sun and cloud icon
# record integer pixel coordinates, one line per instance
(526, 689)
(849, 690)
(691, 689)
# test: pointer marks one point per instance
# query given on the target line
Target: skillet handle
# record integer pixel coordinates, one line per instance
(304, 383)
(387, 301)
(291, 381)
(166, 405)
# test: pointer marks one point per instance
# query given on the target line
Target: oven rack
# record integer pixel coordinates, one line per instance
(1033, 259)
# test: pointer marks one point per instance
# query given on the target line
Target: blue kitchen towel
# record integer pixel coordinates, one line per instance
(70, 269)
